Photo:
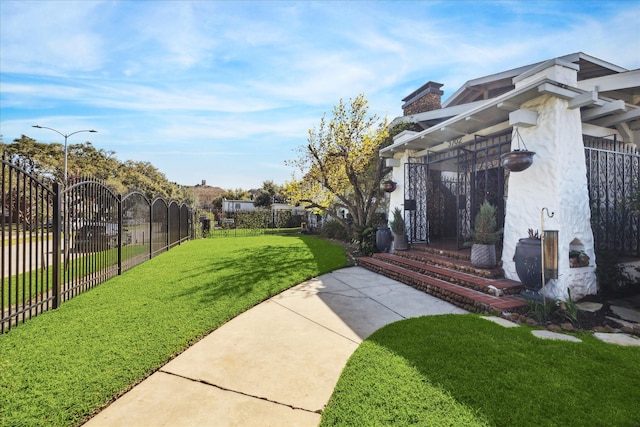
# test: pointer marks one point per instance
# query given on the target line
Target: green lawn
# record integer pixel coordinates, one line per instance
(465, 371)
(62, 366)
(35, 282)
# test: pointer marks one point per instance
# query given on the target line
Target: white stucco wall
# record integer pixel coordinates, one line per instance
(557, 181)
(396, 198)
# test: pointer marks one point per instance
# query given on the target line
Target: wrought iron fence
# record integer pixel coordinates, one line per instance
(613, 174)
(58, 242)
(448, 188)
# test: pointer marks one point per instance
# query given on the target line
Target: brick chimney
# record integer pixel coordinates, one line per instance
(427, 98)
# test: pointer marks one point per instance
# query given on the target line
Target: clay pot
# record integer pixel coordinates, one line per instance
(517, 160)
(528, 259)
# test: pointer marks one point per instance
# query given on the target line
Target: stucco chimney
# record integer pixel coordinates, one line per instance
(427, 98)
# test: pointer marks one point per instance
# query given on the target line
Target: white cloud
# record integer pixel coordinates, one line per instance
(232, 87)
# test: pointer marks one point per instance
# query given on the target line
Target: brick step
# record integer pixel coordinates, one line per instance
(450, 260)
(469, 299)
(449, 253)
(472, 281)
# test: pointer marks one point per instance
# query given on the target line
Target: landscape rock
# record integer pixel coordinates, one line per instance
(589, 306)
(619, 339)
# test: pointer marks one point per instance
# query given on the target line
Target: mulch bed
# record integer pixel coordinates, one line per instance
(602, 320)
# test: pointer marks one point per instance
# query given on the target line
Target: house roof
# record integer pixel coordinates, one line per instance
(617, 104)
(496, 84)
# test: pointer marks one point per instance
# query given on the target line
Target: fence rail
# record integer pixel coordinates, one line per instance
(59, 242)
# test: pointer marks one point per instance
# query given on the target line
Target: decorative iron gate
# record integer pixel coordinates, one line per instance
(448, 188)
(613, 176)
(415, 201)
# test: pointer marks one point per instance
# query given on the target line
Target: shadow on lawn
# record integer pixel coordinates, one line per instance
(514, 378)
(265, 270)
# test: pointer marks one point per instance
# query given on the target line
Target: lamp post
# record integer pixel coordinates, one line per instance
(65, 144)
(67, 237)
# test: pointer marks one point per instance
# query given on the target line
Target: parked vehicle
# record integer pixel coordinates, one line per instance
(98, 237)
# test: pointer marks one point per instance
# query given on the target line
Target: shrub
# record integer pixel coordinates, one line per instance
(365, 238)
(613, 280)
(485, 230)
(398, 225)
(334, 230)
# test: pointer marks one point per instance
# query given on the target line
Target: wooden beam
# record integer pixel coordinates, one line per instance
(550, 89)
(523, 118)
(584, 99)
(607, 109)
(618, 118)
(508, 106)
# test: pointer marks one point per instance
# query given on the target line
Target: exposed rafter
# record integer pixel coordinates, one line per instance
(609, 108)
(551, 89)
(584, 100)
(615, 119)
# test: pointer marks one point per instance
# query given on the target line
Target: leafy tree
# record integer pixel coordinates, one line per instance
(269, 193)
(341, 168)
(36, 157)
(86, 161)
(263, 200)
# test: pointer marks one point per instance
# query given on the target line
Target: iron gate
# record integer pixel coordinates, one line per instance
(448, 188)
(613, 176)
(415, 201)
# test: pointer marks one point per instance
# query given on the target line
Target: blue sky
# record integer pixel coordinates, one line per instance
(225, 91)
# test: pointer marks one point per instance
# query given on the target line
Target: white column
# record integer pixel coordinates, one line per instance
(557, 181)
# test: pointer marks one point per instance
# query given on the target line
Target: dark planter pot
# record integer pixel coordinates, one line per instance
(528, 259)
(483, 256)
(400, 242)
(383, 239)
(517, 160)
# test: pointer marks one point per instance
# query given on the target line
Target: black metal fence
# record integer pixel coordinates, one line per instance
(58, 242)
(613, 173)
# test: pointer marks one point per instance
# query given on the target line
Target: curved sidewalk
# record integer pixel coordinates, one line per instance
(277, 363)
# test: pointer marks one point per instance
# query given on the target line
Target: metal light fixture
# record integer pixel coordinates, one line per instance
(65, 144)
(388, 186)
(550, 251)
(543, 254)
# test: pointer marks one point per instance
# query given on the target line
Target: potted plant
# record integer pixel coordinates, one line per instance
(578, 258)
(485, 235)
(398, 228)
(528, 260)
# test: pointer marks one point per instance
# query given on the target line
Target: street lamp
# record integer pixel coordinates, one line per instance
(65, 144)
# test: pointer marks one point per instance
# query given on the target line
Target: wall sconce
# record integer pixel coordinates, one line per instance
(550, 253)
(388, 186)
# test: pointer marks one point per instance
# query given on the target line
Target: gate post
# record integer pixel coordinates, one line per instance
(57, 249)
(120, 231)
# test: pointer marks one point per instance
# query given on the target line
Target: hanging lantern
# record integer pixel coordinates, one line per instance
(388, 186)
(550, 253)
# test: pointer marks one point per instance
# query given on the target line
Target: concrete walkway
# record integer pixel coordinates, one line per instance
(276, 364)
